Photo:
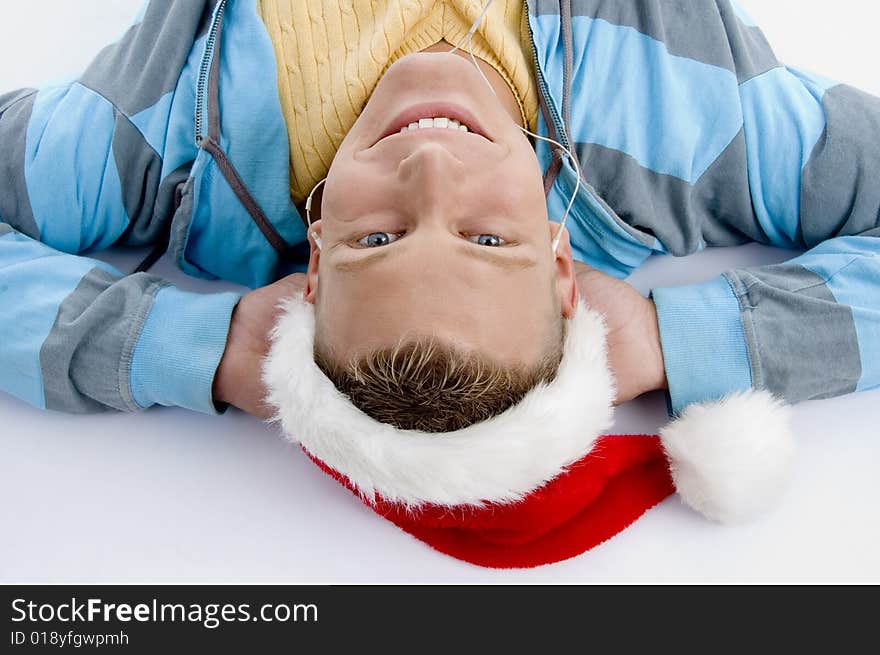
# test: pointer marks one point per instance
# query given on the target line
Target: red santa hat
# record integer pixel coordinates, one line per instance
(541, 482)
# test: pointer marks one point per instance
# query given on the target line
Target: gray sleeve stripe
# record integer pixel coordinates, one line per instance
(708, 32)
(716, 211)
(151, 285)
(140, 169)
(5, 229)
(15, 204)
(86, 357)
(802, 343)
(840, 186)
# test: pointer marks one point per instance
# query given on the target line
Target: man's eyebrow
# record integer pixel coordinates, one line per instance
(508, 261)
(359, 264)
(483, 254)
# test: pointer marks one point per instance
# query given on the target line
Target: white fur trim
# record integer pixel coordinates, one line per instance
(499, 460)
(730, 459)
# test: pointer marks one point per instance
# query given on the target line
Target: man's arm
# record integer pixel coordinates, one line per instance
(805, 329)
(809, 328)
(84, 165)
(80, 337)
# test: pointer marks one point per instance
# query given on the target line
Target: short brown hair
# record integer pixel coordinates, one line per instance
(428, 385)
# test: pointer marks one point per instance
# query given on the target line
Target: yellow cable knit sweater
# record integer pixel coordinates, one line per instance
(332, 53)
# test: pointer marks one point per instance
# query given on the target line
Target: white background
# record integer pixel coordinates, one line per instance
(175, 496)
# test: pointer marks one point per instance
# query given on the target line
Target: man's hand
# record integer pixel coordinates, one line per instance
(634, 351)
(238, 380)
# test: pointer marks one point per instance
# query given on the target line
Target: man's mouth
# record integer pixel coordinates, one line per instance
(435, 116)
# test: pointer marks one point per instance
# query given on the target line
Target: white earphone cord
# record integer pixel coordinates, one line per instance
(469, 38)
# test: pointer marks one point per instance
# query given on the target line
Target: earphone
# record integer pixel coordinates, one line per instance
(309, 214)
(469, 38)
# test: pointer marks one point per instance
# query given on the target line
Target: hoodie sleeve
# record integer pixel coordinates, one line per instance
(809, 328)
(84, 165)
(80, 337)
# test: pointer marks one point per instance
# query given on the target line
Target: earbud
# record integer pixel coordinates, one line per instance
(557, 238)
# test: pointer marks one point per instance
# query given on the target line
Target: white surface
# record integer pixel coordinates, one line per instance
(175, 496)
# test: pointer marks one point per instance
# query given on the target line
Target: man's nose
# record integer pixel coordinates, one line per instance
(432, 176)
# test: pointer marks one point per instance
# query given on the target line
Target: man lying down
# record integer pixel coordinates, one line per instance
(476, 184)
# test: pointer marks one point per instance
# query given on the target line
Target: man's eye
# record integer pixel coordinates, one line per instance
(492, 240)
(377, 239)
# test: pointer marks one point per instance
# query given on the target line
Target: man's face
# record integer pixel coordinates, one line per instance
(437, 232)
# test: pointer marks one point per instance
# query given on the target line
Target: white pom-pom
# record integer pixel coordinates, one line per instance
(730, 459)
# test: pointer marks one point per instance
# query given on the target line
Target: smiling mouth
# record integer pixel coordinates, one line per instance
(416, 115)
(435, 133)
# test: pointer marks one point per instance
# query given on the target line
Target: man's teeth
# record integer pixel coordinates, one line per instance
(448, 123)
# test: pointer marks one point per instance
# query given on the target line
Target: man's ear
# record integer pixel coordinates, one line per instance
(311, 291)
(566, 278)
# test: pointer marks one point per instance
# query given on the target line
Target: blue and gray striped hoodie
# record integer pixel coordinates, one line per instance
(689, 134)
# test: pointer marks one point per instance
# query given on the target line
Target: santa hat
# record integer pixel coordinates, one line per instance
(540, 482)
